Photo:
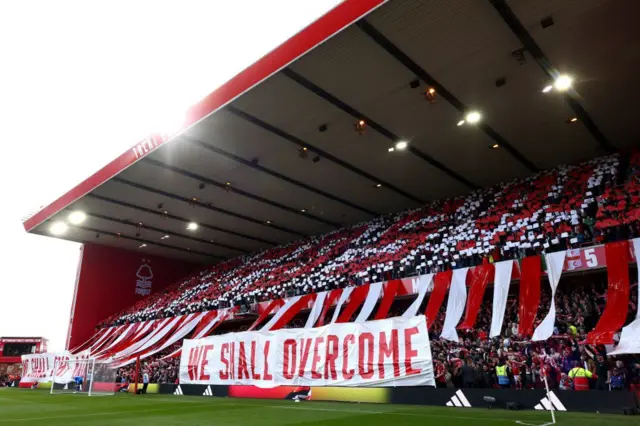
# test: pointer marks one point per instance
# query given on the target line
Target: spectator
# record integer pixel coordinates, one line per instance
(565, 382)
(503, 374)
(580, 377)
(617, 380)
(468, 373)
(145, 382)
(603, 372)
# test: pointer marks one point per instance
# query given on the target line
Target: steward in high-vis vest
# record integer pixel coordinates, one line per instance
(580, 377)
(502, 374)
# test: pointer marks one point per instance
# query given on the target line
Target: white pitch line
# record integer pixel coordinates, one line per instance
(327, 409)
(390, 413)
(532, 424)
(109, 413)
(297, 407)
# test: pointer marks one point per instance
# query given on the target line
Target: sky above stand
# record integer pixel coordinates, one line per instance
(83, 81)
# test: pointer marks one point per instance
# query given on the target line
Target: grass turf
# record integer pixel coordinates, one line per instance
(23, 406)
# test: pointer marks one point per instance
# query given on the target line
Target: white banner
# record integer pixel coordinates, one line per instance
(554, 263)
(390, 352)
(40, 367)
(316, 310)
(455, 304)
(67, 367)
(37, 367)
(630, 336)
(500, 295)
(420, 285)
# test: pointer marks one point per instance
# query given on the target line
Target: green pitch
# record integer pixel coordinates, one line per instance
(25, 407)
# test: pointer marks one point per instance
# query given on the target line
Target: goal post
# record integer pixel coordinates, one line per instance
(102, 379)
(85, 376)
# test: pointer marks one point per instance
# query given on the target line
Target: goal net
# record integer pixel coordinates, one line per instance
(83, 376)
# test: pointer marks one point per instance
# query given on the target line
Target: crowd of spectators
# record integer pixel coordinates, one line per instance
(562, 208)
(619, 207)
(9, 379)
(159, 369)
(472, 362)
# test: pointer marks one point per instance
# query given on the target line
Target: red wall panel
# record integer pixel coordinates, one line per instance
(110, 280)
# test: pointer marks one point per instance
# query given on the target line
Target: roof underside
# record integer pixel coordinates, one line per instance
(459, 47)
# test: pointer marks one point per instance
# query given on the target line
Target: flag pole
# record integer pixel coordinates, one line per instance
(135, 386)
(546, 385)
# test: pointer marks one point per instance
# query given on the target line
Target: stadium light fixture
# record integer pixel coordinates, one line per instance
(547, 89)
(473, 117)
(77, 217)
(460, 123)
(563, 82)
(164, 238)
(58, 228)
(401, 145)
(495, 146)
(378, 185)
(192, 226)
(391, 149)
(430, 95)
(143, 246)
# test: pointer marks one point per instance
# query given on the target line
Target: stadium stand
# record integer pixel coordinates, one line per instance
(552, 210)
(567, 207)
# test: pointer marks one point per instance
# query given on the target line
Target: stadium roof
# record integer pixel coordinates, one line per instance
(274, 154)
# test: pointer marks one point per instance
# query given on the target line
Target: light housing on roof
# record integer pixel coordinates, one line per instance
(58, 228)
(76, 217)
(401, 145)
(192, 226)
(563, 82)
(473, 117)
